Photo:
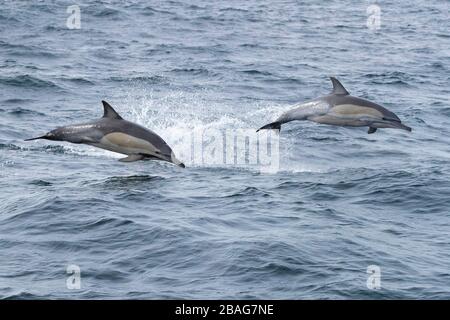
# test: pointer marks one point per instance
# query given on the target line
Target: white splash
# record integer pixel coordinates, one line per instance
(175, 115)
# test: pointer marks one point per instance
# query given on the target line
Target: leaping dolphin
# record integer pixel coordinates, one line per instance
(339, 108)
(118, 135)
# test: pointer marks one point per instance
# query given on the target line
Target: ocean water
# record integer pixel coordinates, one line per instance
(341, 203)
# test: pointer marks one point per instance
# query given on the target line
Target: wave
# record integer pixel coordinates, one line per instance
(27, 50)
(77, 81)
(394, 77)
(23, 295)
(249, 192)
(28, 82)
(233, 9)
(8, 19)
(150, 11)
(156, 79)
(22, 111)
(41, 183)
(104, 12)
(17, 101)
(192, 71)
(127, 181)
(68, 149)
(9, 146)
(257, 72)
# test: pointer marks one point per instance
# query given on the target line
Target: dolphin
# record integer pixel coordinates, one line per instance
(339, 108)
(113, 133)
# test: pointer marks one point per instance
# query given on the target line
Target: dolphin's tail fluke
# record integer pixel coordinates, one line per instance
(274, 125)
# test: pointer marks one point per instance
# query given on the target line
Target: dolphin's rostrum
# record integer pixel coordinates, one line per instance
(341, 109)
(113, 133)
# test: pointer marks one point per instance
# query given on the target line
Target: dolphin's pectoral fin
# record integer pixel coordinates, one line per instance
(372, 130)
(132, 158)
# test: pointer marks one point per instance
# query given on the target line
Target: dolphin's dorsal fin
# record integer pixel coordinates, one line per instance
(338, 88)
(109, 111)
